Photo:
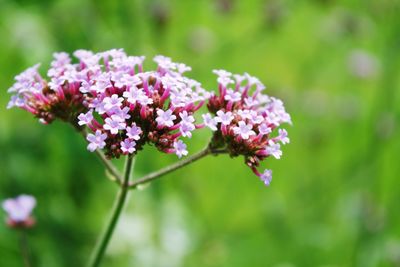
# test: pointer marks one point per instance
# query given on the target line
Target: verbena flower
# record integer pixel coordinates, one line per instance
(110, 93)
(19, 210)
(245, 120)
(47, 100)
(125, 107)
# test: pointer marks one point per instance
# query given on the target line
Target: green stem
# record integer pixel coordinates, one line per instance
(102, 243)
(25, 249)
(158, 174)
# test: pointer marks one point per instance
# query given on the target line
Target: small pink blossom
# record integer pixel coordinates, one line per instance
(264, 129)
(186, 129)
(224, 117)
(133, 132)
(165, 118)
(85, 118)
(274, 149)
(232, 96)
(134, 94)
(185, 117)
(266, 177)
(283, 136)
(114, 124)
(224, 77)
(180, 148)
(123, 113)
(209, 121)
(244, 130)
(112, 102)
(96, 141)
(128, 146)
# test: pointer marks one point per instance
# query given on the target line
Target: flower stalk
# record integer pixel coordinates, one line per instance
(23, 243)
(158, 174)
(102, 244)
(126, 185)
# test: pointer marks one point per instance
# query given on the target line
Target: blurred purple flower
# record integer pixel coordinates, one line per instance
(362, 64)
(19, 210)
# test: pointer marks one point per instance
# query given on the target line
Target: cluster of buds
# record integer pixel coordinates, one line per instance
(244, 119)
(19, 211)
(124, 106)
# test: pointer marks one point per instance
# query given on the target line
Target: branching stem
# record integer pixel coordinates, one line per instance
(158, 174)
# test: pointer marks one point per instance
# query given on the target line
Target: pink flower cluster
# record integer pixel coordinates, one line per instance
(60, 98)
(128, 107)
(19, 211)
(244, 119)
(125, 107)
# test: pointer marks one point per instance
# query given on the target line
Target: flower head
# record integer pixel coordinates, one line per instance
(19, 210)
(110, 93)
(245, 119)
(59, 98)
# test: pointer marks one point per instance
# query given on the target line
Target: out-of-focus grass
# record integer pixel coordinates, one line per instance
(335, 194)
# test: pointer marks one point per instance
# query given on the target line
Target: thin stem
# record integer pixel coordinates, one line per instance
(158, 174)
(109, 167)
(116, 212)
(23, 243)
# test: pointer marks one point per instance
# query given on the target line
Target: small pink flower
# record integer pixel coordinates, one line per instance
(128, 146)
(283, 136)
(274, 150)
(210, 122)
(180, 148)
(96, 141)
(114, 124)
(85, 118)
(244, 130)
(133, 132)
(165, 118)
(224, 117)
(112, 102)
(266, 177)
(233, 96)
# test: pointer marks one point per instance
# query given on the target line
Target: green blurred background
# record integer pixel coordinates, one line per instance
(335, 197)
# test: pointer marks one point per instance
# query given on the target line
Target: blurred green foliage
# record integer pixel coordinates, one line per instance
(335, 197)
